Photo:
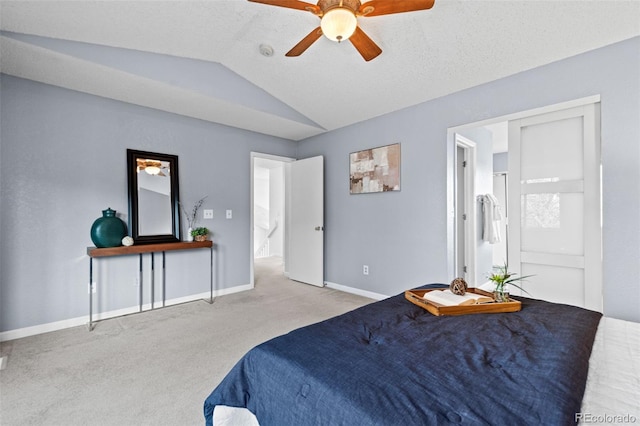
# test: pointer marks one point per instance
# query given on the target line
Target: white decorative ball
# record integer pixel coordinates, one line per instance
(127, 241)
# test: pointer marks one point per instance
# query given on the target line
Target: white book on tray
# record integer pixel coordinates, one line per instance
(447, 298)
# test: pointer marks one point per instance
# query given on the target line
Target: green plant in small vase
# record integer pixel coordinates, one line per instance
(200, 233)
(502, 278)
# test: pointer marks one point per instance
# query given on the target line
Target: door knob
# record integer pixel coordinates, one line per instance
(319, 228)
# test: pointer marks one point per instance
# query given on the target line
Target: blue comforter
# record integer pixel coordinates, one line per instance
(393, 363)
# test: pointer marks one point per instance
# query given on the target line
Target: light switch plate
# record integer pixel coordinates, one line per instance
(229, 214)
(207, 214)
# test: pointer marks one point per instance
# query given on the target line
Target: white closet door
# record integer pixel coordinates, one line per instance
(555, 207)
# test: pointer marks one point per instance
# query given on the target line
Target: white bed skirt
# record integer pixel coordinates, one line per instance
(613, 382)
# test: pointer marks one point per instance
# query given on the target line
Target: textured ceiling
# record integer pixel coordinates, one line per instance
(202, 58)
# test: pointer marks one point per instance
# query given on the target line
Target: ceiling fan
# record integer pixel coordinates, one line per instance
(338, 20)
(152, 167)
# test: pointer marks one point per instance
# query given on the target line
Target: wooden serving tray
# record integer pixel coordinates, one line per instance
(415, 297)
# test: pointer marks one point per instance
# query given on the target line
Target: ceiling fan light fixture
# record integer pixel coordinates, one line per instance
(152, 170)
(338, 24)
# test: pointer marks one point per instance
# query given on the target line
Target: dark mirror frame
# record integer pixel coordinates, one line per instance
(132, 177)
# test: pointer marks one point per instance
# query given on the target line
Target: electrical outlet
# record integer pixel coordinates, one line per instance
(207, 214)
(229, 214)
(365, 269)
(136, 282)
(92, 288)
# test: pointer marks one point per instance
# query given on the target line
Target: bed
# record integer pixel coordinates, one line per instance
(393, 363)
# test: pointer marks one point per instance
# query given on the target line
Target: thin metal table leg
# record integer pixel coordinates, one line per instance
(164, 278)
(153, 284)
(90, 293)
(140, 282)
(211, 275)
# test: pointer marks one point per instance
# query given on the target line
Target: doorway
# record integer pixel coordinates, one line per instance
(551, 188)
(287, 216)
(269, 229)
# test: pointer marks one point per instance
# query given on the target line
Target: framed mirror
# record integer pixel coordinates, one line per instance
(154, 215)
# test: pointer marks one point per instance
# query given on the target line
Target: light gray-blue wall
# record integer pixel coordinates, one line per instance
(402, 236)
(63, 157)
(64, 161)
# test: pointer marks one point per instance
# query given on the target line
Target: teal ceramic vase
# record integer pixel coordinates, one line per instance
(108, 230)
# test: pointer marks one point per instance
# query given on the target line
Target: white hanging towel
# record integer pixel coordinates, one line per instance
(492, 215)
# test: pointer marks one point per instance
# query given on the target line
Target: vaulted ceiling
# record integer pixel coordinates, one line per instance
(202, 59)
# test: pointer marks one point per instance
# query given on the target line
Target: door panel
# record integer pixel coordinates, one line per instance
(558, 284)
(306, 253)
(549, 151)
(552, 223)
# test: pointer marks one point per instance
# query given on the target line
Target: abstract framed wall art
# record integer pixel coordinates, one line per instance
(375, 170)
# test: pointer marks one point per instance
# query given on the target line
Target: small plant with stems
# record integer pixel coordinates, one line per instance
(192, 216)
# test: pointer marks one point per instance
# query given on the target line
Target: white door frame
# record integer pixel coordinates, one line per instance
(469, 208)
(451, 148)
(253, 156)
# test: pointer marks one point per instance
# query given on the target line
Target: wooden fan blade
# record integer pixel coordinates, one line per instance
(387, 7)
(291, 4)
(304, 44)
(367, 48)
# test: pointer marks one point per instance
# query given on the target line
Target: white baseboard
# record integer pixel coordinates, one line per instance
(84, 320)
(359, 292)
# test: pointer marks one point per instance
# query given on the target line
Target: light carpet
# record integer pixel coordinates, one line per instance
(156, 367)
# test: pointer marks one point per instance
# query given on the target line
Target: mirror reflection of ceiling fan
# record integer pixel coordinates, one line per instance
(152, 167)
(338, 20)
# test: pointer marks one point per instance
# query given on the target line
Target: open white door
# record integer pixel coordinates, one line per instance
(306, 241)
(554, 205)
(466, 210)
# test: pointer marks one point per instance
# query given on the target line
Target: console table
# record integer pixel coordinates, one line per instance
(94, 252)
